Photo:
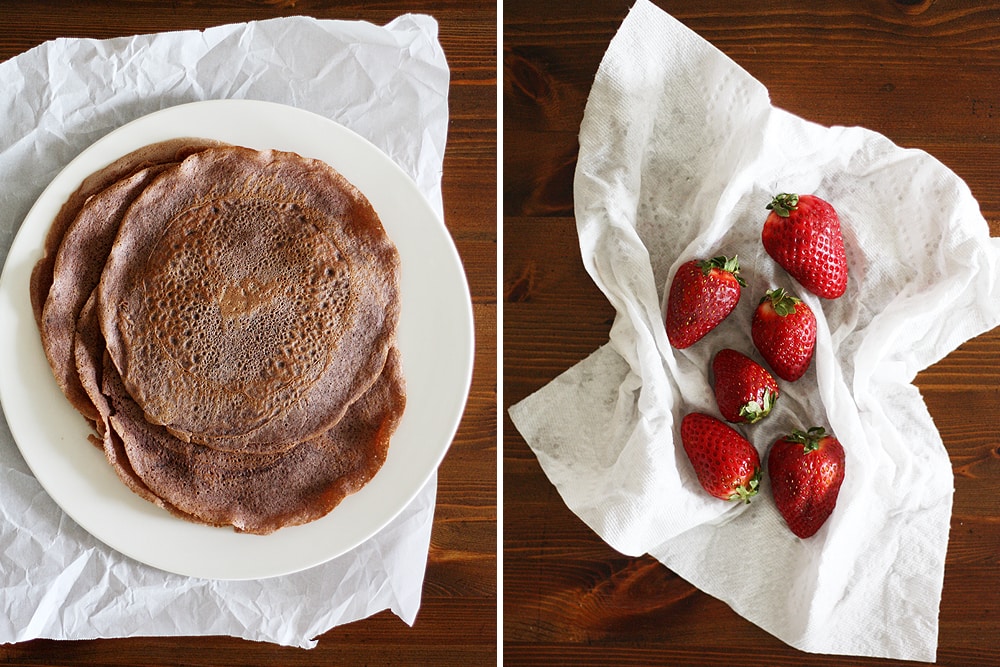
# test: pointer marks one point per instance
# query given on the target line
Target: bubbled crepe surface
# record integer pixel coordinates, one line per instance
(265, 303)
(153, 154)
(77, 272)
(77, 245)
(233, 349)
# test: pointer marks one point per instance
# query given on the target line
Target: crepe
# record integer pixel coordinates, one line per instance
(162, 152)
(259, 493)
(249, 296)
(91, 361)
(79, 262)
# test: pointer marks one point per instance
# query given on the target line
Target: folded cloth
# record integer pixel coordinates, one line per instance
(388, 84)
(680, 151)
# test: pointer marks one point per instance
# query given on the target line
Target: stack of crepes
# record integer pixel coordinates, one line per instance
(225, 318)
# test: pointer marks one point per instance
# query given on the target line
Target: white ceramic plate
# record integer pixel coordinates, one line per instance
(435, 339)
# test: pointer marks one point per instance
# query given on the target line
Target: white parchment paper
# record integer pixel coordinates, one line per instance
(680, 151)
(388, 84)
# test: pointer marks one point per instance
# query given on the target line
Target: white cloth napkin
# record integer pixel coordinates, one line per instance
(680, 151)
(389, 84)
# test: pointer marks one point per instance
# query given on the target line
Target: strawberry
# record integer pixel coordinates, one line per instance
(806, 471)
(702, 294)
(727, 465)
(744, 390)
(784, 330)
(802, 234)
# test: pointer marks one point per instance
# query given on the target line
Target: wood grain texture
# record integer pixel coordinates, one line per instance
(921, 72)
(457, 621)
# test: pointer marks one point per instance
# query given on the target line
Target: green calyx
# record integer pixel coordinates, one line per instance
(782, 302)
(783, 204)
(732, 265)
(809, 439)
(744, 493)
(754, 411)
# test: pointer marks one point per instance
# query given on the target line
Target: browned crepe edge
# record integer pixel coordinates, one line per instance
(60, 314)
(171, 150)
(378, 413)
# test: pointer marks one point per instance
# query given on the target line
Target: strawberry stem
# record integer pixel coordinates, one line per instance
(745, 492)
(783, 204)
(809, 439)
(754, 411)
(782, 302)
(723, 263)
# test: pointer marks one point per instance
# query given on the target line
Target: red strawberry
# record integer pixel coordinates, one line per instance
(802, 234)
(784, 330)
(701, 295)
(727, 465)
(806, 471)
(744, 390)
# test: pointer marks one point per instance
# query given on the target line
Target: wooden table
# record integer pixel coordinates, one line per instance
(925, 75)
(457, 619)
